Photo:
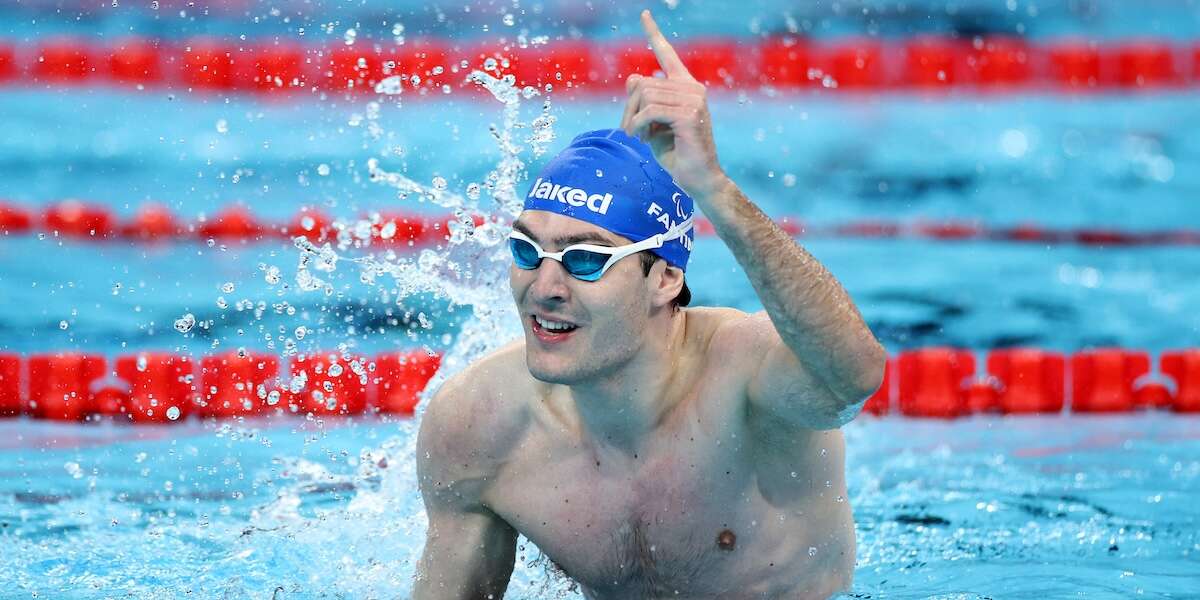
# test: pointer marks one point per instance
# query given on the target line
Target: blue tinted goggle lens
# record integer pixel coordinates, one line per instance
(524, 254)
(582, 264)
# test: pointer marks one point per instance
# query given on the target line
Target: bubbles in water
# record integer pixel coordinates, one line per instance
(222, 126)
(173, 413)
(812, 551)
(272, 275)
(227, 287)
(62, 325)
(185, 323)
(509, 19)
(350, 36)
(323, 171)
(490, 64)
(335, 369)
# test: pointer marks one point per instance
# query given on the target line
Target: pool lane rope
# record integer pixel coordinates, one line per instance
(936, 382)
(78, 220)
(434, 67)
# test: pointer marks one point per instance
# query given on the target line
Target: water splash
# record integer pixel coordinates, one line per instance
(384, 521)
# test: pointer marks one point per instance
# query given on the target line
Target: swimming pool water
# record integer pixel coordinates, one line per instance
(1050, 506)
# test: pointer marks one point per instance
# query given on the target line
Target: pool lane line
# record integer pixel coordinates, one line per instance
(432, 67)
(155, 223)
(933, 382)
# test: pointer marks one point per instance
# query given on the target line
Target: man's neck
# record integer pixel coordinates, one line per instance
(624, 408)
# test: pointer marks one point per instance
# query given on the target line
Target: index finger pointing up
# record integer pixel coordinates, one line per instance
(667, 58)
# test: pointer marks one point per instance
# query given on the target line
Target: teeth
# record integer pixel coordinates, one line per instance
(553, 325)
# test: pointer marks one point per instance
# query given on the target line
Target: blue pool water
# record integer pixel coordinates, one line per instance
(987, 507)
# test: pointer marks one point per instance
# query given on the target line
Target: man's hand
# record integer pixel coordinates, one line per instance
(671, 115)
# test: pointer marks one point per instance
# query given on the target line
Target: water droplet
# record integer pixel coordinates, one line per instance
(490, 64)
(62, 325)
(227, 287)
(390, 86)
(222, 126)
(335, 369)
(350, 36)
(840, 499)
(185, 323)
(300, 332)
(273, 397)
(323, 170)
(473, 191)
(508, 19)
(439, 183)
(173, 413)
(793, 474)
(141, 363)
(812, 551)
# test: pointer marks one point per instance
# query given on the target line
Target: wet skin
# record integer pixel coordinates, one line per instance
(650, 524)
(713, 498)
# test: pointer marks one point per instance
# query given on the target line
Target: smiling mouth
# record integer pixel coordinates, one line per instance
(548, 330)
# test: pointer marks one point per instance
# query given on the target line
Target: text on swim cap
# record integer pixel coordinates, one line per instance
(667, 223)
(547, 190)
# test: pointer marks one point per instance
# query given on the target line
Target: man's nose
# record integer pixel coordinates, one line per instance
(550, 283)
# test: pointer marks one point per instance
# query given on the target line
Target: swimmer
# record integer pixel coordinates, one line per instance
(650, 450)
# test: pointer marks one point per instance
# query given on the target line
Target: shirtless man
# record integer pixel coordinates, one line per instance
(650, 451)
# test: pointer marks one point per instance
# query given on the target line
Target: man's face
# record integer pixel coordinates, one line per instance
(606, 316)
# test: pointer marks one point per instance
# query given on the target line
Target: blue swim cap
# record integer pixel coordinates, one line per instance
(611, 180)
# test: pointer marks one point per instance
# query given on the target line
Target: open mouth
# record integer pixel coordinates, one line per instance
(549, 330)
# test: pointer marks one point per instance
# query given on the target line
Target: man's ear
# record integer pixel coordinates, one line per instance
(668, 282)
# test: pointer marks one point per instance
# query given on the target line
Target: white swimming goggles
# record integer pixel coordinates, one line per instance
(586, 262)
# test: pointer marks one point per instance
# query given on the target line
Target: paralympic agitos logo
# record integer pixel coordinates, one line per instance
(547, 190)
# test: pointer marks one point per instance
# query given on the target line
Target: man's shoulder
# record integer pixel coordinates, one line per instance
(479, 410)
(716, 327)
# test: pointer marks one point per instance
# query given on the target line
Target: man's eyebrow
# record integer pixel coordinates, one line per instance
(578, 238)
(567, 240)
(519, 226)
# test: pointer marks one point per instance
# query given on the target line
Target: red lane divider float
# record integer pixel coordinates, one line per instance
(161, 387)
(944, 382)
(430, 66)
(76, 219)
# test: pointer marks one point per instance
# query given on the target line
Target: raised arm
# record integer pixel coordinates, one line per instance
(816, 361)
(469, 550)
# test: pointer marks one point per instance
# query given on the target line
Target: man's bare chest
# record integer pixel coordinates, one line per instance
(661, 520)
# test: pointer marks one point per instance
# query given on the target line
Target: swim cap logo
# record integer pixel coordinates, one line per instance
(547, 190)
(656, 211)
(678, 207)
